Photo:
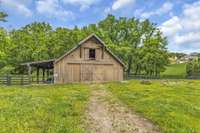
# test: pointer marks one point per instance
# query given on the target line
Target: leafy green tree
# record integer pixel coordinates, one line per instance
(131, 39)
(138, 43)
(189, 69)
(29, 43)
(193, 68)
(3, 16)
(4, 52)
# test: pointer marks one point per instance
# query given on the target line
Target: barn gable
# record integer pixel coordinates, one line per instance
(90, 60)
(98, 41)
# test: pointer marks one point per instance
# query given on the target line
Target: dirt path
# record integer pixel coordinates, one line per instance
(106, 115)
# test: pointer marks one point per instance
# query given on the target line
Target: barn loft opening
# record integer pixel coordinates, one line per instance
(92, 54)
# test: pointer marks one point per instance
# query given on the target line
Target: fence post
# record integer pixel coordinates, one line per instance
(8, 80)
(22, 80)
(29, 73)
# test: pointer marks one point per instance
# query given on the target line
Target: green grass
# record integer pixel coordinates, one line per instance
(173, 105)
(175, 69)
(41, 109)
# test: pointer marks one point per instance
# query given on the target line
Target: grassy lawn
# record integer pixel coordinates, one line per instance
(173, 105)
(41, 109)
(175, 69)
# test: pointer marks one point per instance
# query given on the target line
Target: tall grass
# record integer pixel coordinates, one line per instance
(173, 105)
(41, 109)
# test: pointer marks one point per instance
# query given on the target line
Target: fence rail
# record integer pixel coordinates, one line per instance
(14, 80)
(25, 80)
(133, 76)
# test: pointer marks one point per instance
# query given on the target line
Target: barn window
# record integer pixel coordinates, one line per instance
(92, 54)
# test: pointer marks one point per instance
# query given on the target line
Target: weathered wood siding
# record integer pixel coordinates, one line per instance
(77, 67)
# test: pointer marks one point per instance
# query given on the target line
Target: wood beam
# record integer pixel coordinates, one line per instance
(102, 55)
(29, 72)
(47, 73)
(43, 74)
(80, 52)
(38, 72)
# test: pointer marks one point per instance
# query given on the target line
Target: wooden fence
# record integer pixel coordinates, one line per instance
(15, 80)
(25, 80)
(133, 76)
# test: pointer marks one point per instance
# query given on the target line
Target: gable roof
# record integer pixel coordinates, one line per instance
(86, 39)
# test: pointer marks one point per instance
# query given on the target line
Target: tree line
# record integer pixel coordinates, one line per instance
(140, 44)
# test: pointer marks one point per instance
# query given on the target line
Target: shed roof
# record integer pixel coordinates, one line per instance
(86, 39)
(47, 64)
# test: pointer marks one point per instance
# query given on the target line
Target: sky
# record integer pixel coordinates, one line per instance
(179, 20)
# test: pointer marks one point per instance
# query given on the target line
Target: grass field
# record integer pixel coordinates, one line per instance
(175, 69)
(41, 109)
(173, 105)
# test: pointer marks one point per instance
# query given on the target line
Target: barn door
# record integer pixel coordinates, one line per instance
(86, 72)
(109, 73)
(98, 73)
(94, 72)
(74, 75)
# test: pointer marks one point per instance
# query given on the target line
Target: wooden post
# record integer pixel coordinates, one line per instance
(23, 70)
(29, 72)
(80, 52)
(81, 73)
(8, 80)
(22, 80)
(38, 71)
(103, 49)
(47, 74)
(50, 76)
(43, 74)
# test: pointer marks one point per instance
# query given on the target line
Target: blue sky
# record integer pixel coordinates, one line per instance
(178, 19)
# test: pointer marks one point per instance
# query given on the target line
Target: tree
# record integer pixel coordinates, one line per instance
(138, 43)
(29, 44)
(4, 52)
(3, 16)
(131, 39)
(193, 68)
(189, 69)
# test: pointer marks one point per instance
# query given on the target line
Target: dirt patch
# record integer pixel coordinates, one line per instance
(106, 115)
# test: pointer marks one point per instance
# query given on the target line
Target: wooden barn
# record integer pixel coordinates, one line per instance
(89, 61)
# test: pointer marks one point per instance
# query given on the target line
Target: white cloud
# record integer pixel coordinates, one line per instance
(84, 4)
(184, 30)
(165, 8)
(18, 5)
(52, 8)
(118, 4)
(167, 26)
(188, 38)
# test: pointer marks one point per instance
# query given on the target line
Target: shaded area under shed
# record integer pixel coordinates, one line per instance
(46, 66)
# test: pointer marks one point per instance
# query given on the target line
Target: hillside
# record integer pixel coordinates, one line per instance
(175, 69)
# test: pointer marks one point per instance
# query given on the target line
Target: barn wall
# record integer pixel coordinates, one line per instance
(76, 67)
